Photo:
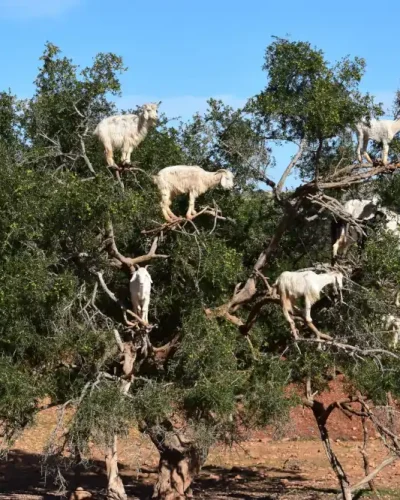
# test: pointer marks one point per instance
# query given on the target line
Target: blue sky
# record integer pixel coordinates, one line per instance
(185, 51)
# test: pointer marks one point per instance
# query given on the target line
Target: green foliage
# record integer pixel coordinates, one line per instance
(307, 96)
(374, 383)
(104, 413)
(206, 366)
(264, 398)
(19, 394)
(68, 103)
(57, 324)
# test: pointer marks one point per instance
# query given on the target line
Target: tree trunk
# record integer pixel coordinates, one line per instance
(115, 487)
(321, 418)
(180, 461)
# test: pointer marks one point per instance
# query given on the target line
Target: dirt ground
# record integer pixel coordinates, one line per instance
(264, 467)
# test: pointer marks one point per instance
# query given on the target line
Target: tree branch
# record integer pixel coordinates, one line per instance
(353, 349)
(130, 262)
(289, 168)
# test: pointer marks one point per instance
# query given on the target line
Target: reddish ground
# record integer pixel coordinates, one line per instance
(291, 467)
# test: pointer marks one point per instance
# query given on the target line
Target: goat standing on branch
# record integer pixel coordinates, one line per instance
(192, 180)
(292, 285)
(140, 288)
(379, 130)
(126, 132)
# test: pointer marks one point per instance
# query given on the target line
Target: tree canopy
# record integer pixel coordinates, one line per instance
(66, 228)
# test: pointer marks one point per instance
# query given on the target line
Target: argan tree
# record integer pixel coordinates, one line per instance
(217, 355)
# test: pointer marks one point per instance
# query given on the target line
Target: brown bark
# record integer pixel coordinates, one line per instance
(180, 461)
(364, 453)
(321, 415)
(318, 411)
(115, 486)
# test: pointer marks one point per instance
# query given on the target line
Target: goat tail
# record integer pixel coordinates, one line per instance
(96, 131)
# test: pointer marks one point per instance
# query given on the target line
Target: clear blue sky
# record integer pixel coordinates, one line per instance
(185, 51)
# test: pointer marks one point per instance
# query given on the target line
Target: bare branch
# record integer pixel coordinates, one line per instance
(289, 168)
(118, 340)
(85, 157)
(130, 261)
(182, 221)
(351, 348)
(371, 475)
(358, 178)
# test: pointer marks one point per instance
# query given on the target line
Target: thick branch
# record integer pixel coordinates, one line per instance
(247, 293)
(130, 261)
(330, 183)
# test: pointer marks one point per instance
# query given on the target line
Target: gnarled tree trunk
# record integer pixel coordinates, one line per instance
(181, 459)
(115, 487)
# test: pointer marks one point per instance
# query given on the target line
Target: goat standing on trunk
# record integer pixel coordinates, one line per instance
(140, 288)
(292, 285)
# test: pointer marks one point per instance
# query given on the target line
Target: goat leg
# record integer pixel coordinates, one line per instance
(294, 330)
(191, 211)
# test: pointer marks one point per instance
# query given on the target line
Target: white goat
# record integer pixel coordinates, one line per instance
(392, 221)
(379, 130)
(140, 288)
(343, 234)
(126, 132)
(292, 285)
(392, 324)
(192, 180)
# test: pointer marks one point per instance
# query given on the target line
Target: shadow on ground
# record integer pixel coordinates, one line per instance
(22, 476)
